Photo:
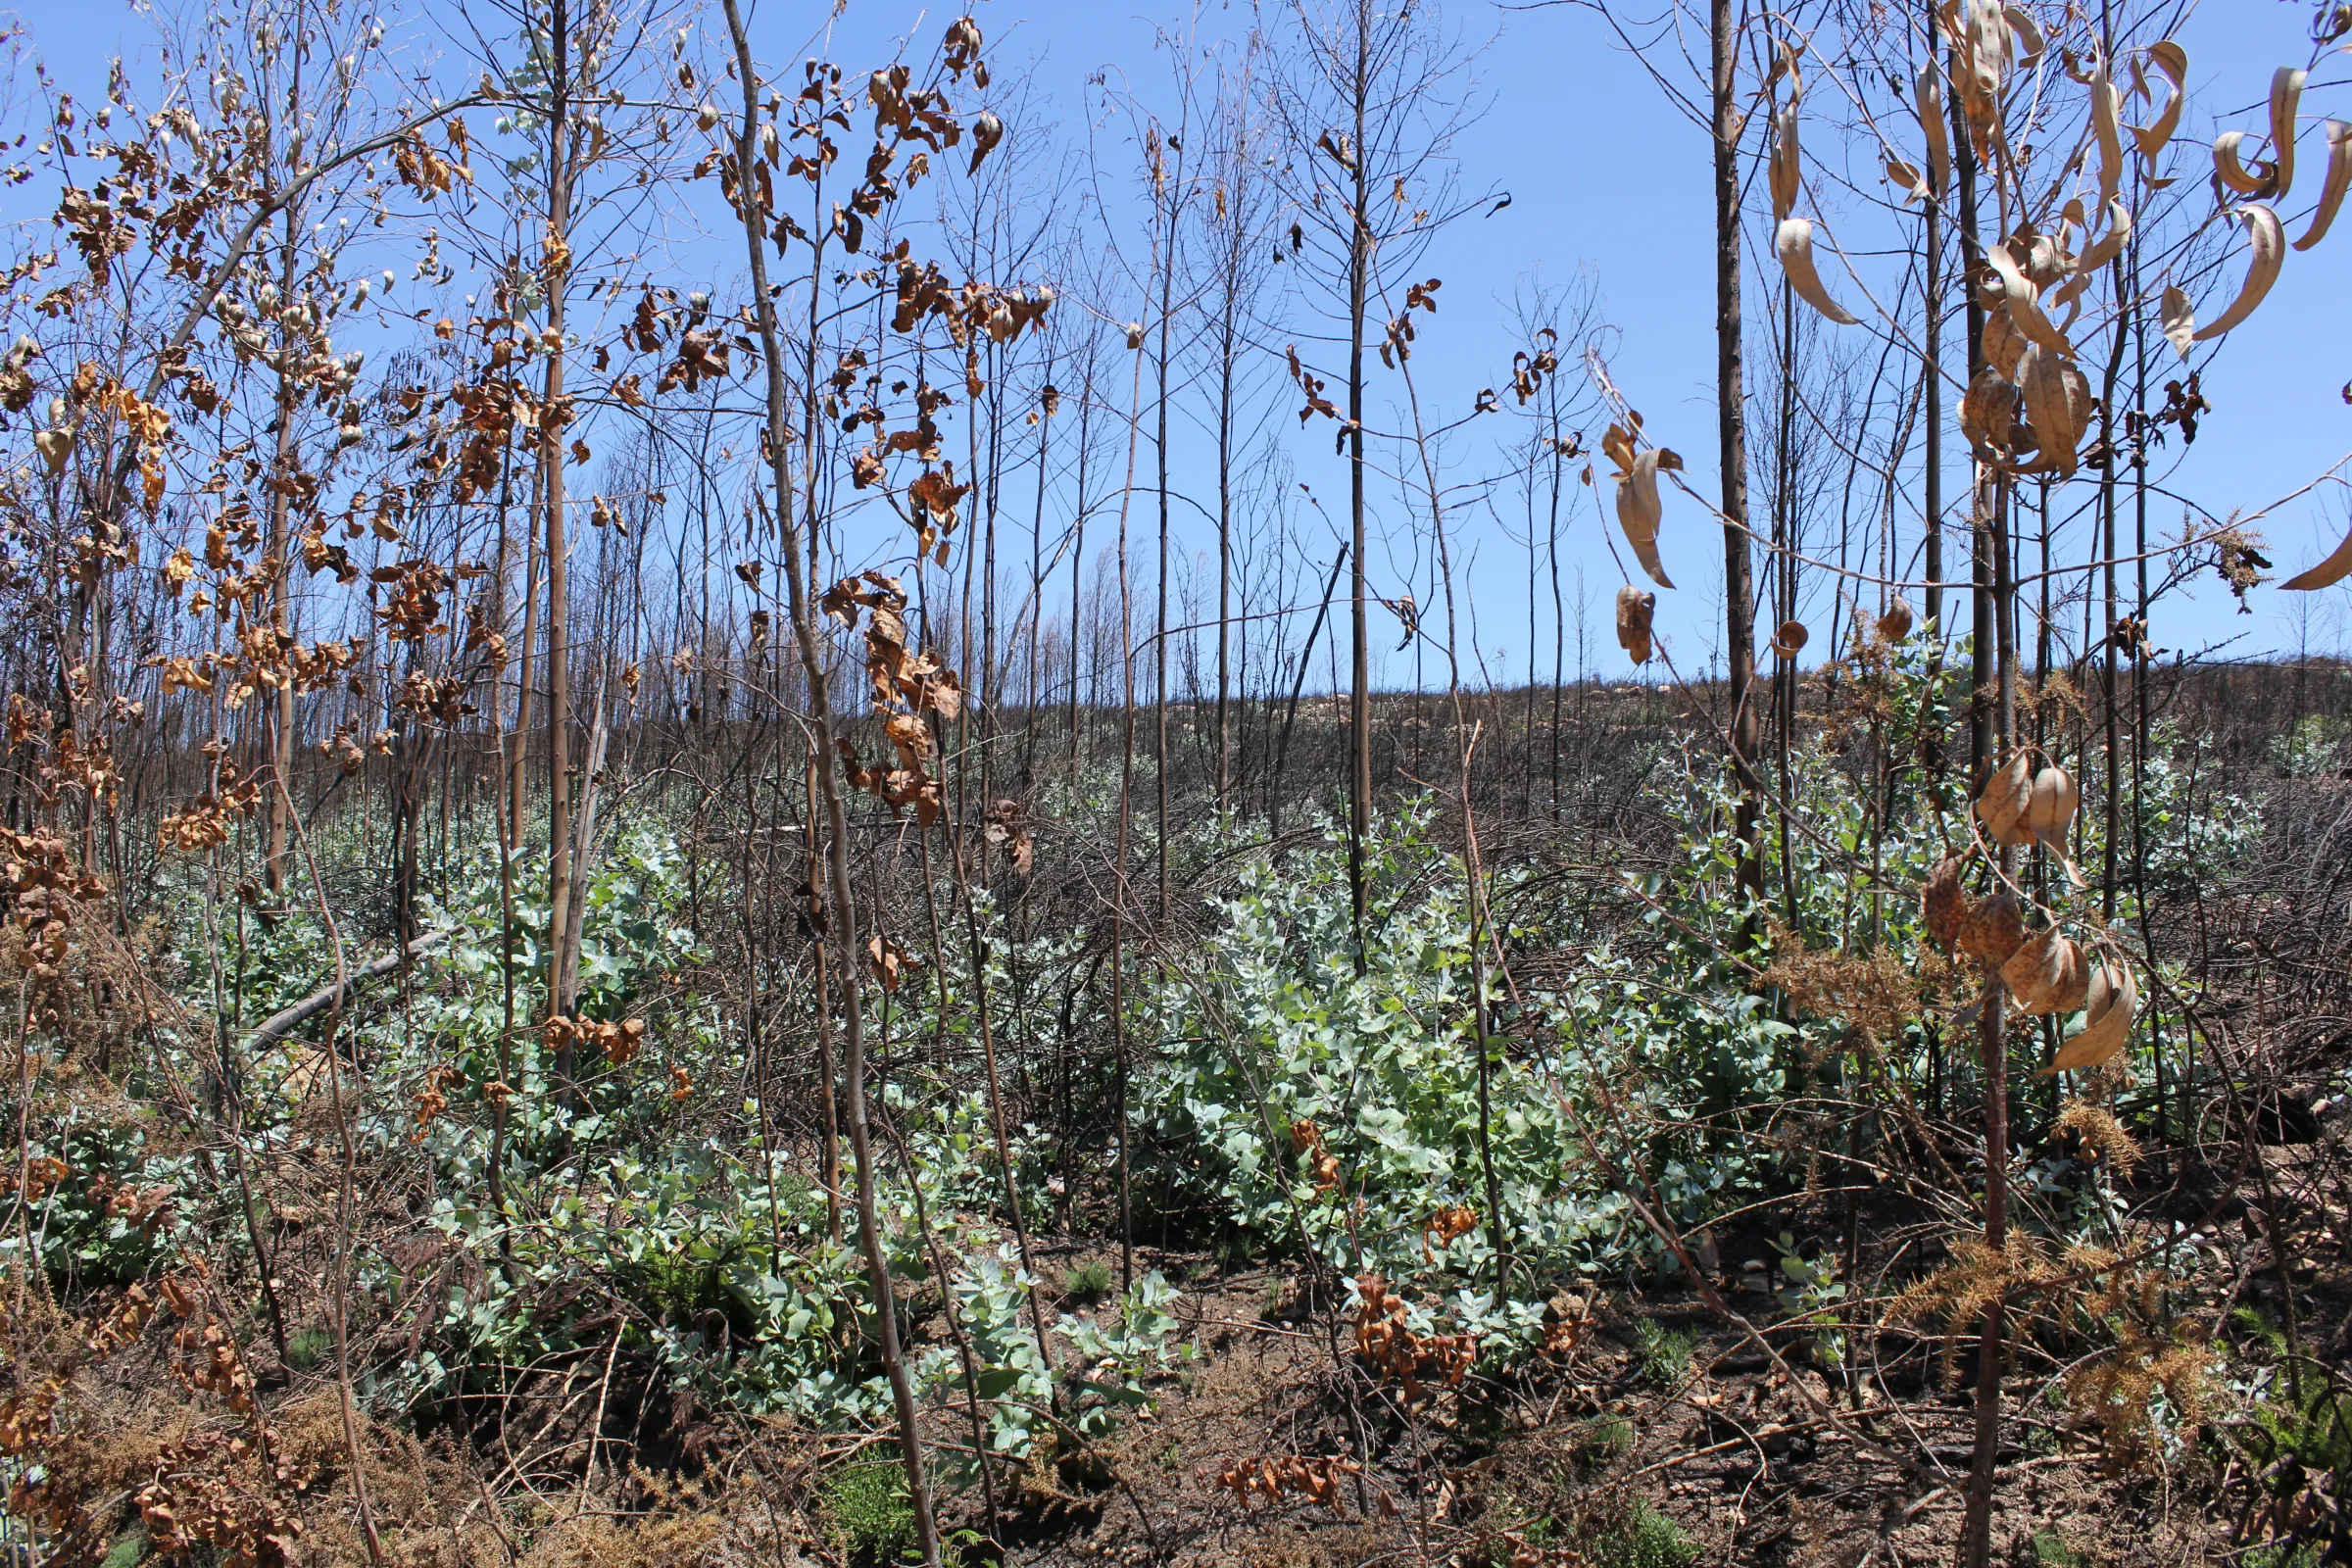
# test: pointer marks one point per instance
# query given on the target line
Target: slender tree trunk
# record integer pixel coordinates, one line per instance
(1118, 870)
(280, 551)
(1359, 693)
(1159, 640)
(554, 409)
(1738, 587)
(1931, 396)
(842, 913)
(1225, 557)
(1993, 1045)
(1981, 633)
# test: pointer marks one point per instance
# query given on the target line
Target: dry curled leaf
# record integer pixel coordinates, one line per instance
(2327, 572)
(1988, 410)
(1942, 906)
(2002, 804)
(2105, 132)
(2052, 806)
(1927, 95)
(2109, 1002)
(1992, 929)
(1790, 639)
(2173, 60)
(2269, 253)
(2287, 91)
(1445, 1227)
(1640, 511)
(2050, 408)
(2024, 300)
(2230, 169)
(1794, 244)
(1633, 612)
(2108, 246)
(2331, 189)
(2179, 318)
(2004, 344)
(2048, 973)
(1787, 162)
(1894, 621)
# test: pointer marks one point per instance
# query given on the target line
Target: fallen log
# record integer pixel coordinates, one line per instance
(278, 1025)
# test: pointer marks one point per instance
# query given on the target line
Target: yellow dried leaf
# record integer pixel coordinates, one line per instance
(1992, 929)
(1633, 612)
(2050, 408)
(2051, 809)
(2331, 190)
(2108, 246)
(2047, 974)
(1640, 511)
(2105, 133)
(1787, 170)
(1989, 410)
(2230, 169)
(2179, 320)
(2173, 60)
(1793, 243)
(1927, 95)
(2109, 1002)
(2002, 806)
(2287, 91)
(2004, 344)
(2025, 303)
(2327, 572)
(2268, 254)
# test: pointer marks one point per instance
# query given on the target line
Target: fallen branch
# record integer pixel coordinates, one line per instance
(278, 1025)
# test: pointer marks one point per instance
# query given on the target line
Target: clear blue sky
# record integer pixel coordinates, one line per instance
(1605, 176)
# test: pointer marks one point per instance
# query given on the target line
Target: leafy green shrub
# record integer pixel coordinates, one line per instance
(1279, 1047)
(1663, 1354)
(308, 1348)
(1604, 1441)
(2310, 749)
(1644, 1539)
(1087, 1282)
(2051, 1550)
(868, 1508)
(2280, 1555)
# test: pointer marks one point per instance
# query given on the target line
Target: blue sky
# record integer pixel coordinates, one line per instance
(1608, 179)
